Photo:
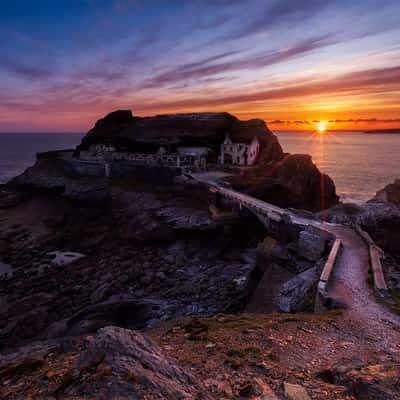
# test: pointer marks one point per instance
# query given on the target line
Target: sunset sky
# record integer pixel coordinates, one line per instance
(64, 64)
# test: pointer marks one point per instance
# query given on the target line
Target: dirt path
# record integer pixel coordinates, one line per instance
(350, 285)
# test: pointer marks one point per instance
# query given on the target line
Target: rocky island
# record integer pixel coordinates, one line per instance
(187, 256)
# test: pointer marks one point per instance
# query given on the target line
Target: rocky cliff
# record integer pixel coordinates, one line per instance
(124, 131)
(282, 179)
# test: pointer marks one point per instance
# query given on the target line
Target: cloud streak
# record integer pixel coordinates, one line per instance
(24, 70)
(207, 67)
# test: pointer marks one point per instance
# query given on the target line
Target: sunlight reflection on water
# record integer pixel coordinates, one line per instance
(359, 163)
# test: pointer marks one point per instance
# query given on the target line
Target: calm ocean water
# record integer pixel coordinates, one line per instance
(359, 163)
(18, 150)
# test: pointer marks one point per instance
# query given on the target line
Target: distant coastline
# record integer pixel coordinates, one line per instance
(390, 130)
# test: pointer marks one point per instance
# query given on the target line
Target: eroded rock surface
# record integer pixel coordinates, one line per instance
(129, 365)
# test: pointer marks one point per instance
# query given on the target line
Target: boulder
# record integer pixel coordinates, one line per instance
(389, 194)
(298, 294)
(312, 244)
(295, 392)
(292, 182)
(307, 186)
(127, 364)
(62, 258)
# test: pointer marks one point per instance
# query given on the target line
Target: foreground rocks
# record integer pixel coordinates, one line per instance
(217, 357)
(127, 365)
(149, 254)
(115, 363)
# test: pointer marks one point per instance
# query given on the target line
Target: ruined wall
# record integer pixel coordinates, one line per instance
(79, 168)
(123, 169)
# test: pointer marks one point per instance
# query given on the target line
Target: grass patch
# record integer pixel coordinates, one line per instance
(206, 327)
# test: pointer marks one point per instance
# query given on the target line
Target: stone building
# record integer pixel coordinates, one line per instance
(183, 157)
(239, 153)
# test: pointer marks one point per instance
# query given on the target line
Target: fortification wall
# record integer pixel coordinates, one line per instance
(123, 169)
(80, 168)
(127, 169)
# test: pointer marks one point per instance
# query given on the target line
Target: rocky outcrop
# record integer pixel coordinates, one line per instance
(298, 294)
(367, 382)
(122, 130)
(114, 363)
(313, 243)
(306, 186)
(133, 366)
(389, 194)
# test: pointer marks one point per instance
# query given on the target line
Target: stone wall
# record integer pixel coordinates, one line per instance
(81, 168)
(125, 169)
(144, 172)
(155, 159)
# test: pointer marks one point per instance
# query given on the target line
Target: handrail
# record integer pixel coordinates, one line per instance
(328, 267)
(375, 256)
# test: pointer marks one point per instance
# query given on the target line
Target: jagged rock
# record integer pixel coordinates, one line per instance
(129, 365)
(298, 294)
(186, 218)
(312, 244)
(367, 382)
(143, 226)
(390, 193)
(295, 182)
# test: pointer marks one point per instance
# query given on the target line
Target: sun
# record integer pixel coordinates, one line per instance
(321, 127)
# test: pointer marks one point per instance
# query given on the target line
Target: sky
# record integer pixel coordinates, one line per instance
(65, 64)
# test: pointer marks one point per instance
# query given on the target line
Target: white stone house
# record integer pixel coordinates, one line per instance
(239, 153)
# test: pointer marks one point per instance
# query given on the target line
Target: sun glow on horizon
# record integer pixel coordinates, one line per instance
(321, 126)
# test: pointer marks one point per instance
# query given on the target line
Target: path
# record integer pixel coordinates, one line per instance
(349, 282)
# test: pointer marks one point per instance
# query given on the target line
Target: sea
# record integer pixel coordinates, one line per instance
(359, 163)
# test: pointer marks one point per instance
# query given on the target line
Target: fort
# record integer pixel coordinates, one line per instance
(105, 160)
